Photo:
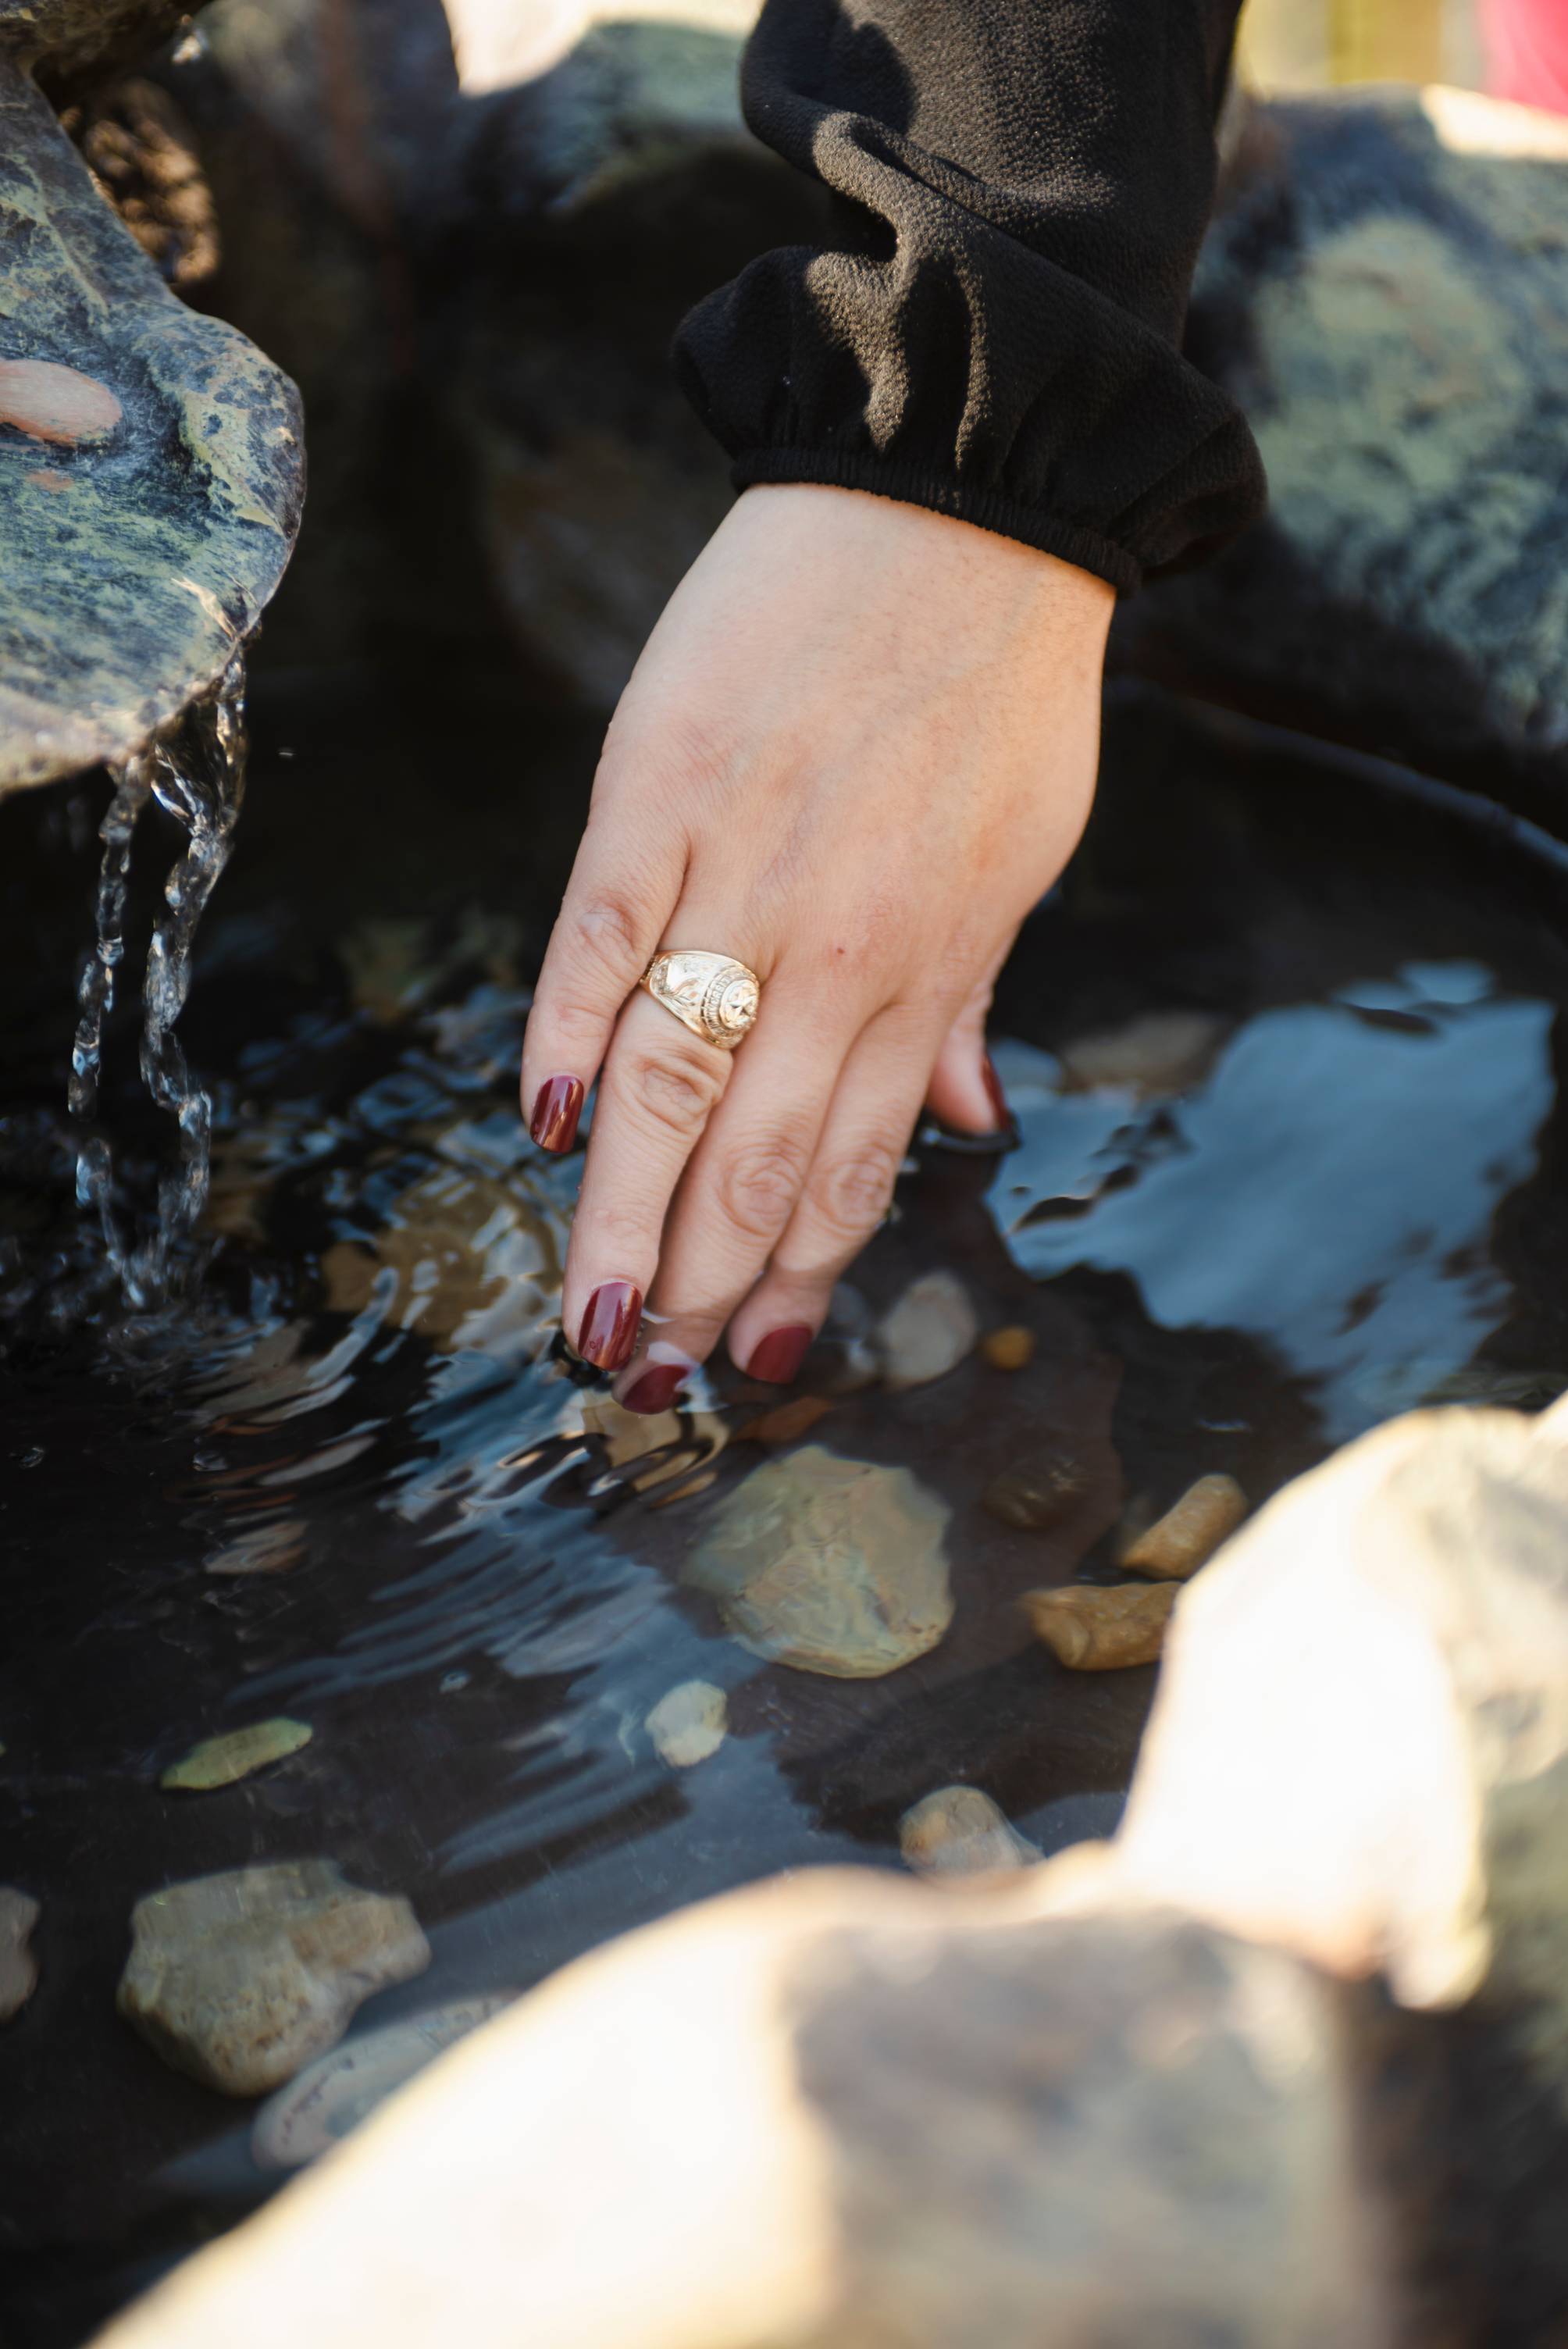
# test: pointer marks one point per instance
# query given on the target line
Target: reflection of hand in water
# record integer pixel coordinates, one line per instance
(859, 745)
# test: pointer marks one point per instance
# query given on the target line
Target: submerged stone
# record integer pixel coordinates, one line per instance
(688, 1725)
(932, 1328)
(241, 1979)
(146, 547)
(1040, 1494)
(1092, 1627)
(1178, 1544)
(1009, 1349)
(219, 1761)
(1161, 1052)
(18, 1967)
(333, 2094)
(828, 1565)
(959, 1831)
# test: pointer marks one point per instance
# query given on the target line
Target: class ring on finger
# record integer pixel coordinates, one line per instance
(715, 997)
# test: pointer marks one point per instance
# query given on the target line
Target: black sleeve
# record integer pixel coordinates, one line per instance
(993, 328)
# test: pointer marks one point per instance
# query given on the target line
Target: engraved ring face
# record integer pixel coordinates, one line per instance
(715, 996)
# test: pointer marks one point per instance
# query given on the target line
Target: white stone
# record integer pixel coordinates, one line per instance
(959, 1831)
(932, 1328)
(688, 1725)
(333, 2094)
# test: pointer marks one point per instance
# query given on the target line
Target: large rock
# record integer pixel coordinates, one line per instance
(840, 2110)
(241, 1979)
(1386, 292)
(151, 467)
(831, 1565)
(1360, 1747)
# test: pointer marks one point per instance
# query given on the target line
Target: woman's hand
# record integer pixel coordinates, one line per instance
(859, 745)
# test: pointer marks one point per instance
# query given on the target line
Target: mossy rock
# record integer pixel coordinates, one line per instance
(1385, 292)
(145, 533)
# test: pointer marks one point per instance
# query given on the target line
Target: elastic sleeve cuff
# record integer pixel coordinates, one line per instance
(987, 510)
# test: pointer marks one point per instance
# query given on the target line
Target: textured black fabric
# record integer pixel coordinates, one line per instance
(1019, 188)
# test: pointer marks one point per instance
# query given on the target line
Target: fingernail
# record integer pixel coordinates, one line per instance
(557, 1106)
(609, 1328)
(780, 1354)
(656, 1388)
(994, 1094)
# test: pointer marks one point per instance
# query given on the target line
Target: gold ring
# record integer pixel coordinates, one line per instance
(715, 996)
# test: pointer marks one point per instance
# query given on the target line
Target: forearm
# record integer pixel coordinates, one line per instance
(1019, 188)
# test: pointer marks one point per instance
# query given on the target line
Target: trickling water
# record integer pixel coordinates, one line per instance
(198, 775)
(95, 1163)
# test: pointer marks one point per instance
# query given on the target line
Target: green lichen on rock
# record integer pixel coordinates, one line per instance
(222, 1761)
(136, 557)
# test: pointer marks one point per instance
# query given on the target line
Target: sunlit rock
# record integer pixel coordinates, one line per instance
(333, 2094)
(151, 462)
(688, 1723)
(1386, 292)
(1360, 1743)
(1097, 1627)
(18, 1967)
(1190, 1531)
(959, 1831)
(221, 1761)
(831, 1565)
(932, 1328)
(241, 1979)
(1014, 2117)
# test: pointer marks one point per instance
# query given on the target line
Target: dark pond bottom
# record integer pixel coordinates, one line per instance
(344, 1480)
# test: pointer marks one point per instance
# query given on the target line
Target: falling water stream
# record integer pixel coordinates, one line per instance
(196, 772)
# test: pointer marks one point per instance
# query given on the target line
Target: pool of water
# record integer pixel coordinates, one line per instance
(344, 1475)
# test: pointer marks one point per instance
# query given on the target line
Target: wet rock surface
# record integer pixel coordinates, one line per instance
(829, 1564)
(242, 1978)
(19, 1913)
(1386, 291)
(152, 465)
(960, 1831)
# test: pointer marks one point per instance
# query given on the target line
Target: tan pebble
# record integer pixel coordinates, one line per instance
(221, 1760)
(959, 1831)
(791, 1419)
(1010, 1349)
(47, 477)
(1091, 1629)
(1178, 1544)
(56, 403)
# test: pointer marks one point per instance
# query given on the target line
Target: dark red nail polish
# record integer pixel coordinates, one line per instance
(994, 1094)
(657, 1387)
(609, 1328)
(557, 1106)
(780, 1354)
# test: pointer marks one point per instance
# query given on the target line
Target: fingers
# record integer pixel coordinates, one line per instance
(659, 1087)
(847, 1193)
(616, 906)
(743, 1183)
(966, 1092)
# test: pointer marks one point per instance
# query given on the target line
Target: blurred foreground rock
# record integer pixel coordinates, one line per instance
(1385, 292)
(864, 2113)
(1387, 1646)
(151, 462)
